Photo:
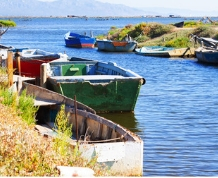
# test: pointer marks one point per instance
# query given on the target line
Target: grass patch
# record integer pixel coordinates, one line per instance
(156, 34)
(23, 151)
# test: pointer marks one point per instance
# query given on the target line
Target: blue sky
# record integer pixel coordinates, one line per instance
(208, 5)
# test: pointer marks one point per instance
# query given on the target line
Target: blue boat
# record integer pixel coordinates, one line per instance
(116, 46)
(206, 55)
(79, 41)
(208, 52)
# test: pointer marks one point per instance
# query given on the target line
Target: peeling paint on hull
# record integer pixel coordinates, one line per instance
(115, 96)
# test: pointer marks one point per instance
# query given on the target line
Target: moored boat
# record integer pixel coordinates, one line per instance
(116, 147)
(208, 52)
(161, 51)
(103, 86)
(207, 55)
(31, 60)
(79, 41)
(4, 54)
(116, 46)
(179, 24)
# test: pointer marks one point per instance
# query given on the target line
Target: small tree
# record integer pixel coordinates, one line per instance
(4, 26)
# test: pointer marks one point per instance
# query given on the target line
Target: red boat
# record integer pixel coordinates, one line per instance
(31, 60)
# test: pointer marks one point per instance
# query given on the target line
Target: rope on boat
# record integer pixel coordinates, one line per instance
(104, 141)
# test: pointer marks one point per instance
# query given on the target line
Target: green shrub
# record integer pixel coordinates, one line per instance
(64, 132)
(123, 33)
(192, 24)
(178, 42)
(3, 77)
(7, 23)
(157, 30)
(100, 37)
(204, 31)
(8, 98)
(26, 108)
(215, 37)
(139, 29)
(141, 39)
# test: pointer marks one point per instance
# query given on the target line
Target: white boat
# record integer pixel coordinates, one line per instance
(4, 54)
(161, 51)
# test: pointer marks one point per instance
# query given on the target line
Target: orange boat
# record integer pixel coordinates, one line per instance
(116, 46)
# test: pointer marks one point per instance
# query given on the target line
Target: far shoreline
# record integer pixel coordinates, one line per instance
(107, 17)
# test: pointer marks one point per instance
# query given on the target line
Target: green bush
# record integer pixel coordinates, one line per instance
(215, 37)
(178, 42)
(192, 24)
(157, 30)
(24, 104)
(26, 108)
(8, 98)
(141, 39)
(64, 130)
(140, 29)
(204, 31)
(7, 23)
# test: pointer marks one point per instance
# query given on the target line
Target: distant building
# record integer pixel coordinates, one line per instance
(174, 16)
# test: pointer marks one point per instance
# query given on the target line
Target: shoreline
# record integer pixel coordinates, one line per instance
(105, 17)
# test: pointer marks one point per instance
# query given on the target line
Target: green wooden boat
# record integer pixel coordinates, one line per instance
(105, 87)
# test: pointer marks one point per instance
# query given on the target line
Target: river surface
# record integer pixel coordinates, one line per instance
(176, 113)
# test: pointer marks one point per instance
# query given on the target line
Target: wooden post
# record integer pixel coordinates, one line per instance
(43, 75)
(75, 107)
(17, 58)
(9, 64)
(19, 86)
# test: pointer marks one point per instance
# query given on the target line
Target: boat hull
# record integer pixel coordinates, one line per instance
(79, 41)
(207, 56)
(166, 52)
(116, 46)
(30, 61)
(117, 148)
(105, 87)
(179, 24)
(115, 96)
(31, 67)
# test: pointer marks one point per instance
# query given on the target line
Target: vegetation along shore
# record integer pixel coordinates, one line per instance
(156, 34)
(23, 152)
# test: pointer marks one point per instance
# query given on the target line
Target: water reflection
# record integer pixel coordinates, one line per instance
(126, 120)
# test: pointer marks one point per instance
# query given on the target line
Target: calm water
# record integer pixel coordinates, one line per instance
(176, 113)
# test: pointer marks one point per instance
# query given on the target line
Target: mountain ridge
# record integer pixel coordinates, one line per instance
(64, 8)
(39, 8)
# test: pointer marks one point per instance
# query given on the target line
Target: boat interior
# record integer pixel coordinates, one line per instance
(87, 126)
(82, 69)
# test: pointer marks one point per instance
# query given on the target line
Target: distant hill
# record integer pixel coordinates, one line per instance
(64, 8)
(88, 8)
(177, 12)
